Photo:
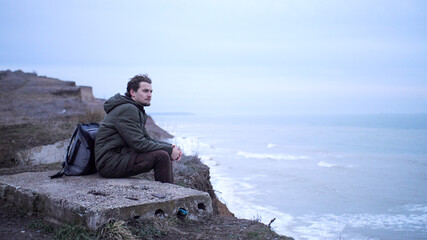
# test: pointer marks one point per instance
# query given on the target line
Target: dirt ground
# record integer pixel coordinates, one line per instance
(17, 224)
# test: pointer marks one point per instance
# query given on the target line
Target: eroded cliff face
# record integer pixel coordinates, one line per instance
(27, 97)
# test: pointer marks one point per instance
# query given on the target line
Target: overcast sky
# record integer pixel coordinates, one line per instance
(272, 57)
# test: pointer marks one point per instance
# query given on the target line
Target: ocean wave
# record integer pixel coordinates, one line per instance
(190, 145)
(326, 164)
(270, 156)
(271, 145)
(235, 194)
(416, 208)
(330, 226)
(208, 160)
(205, 157)
(331, 165)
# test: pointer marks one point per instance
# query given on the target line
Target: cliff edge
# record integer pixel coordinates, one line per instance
(27, 97)
(37, 110)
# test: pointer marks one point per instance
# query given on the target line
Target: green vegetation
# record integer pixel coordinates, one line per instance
(151, 228)
(40, 224)
(65, 232)
(74, 231)
(113, 230)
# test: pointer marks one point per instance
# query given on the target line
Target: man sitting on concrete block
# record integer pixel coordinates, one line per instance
(123, 147)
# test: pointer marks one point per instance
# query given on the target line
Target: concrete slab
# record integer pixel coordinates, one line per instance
(92, 200)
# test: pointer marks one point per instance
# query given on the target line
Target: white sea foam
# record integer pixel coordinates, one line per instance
(190, 145)
(416, 208)
(205, 157)
(208, 160)
(254, 176)
(326, 164)
(270, 156)
(331, 165)
(330, 226)
(271, 145)
(234, 193)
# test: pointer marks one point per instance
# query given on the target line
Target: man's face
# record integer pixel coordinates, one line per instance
(143, 95)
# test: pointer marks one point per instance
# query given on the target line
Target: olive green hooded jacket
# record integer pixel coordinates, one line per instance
(121, 133)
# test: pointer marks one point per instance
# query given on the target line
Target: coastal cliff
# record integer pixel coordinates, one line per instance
(38, 110)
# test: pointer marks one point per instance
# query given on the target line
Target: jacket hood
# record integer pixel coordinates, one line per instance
(118, 100)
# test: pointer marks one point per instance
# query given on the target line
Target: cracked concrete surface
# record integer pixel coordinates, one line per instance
(92, 200)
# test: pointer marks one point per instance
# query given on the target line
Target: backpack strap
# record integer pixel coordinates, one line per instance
(65, 163)
(58, 174)
(72, 157)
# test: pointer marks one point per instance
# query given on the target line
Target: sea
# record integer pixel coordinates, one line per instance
(317, 177)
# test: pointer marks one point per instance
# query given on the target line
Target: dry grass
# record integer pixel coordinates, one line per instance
(153, 228)
(40, 132)
(115, 230)
(73, 231)
(91, 114)
(24, 136)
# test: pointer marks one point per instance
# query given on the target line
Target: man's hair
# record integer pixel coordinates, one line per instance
(135, 81)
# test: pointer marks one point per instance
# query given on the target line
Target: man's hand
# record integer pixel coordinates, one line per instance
(176, 153)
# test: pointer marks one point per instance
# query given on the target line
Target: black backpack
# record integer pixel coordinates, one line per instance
(79, 158)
